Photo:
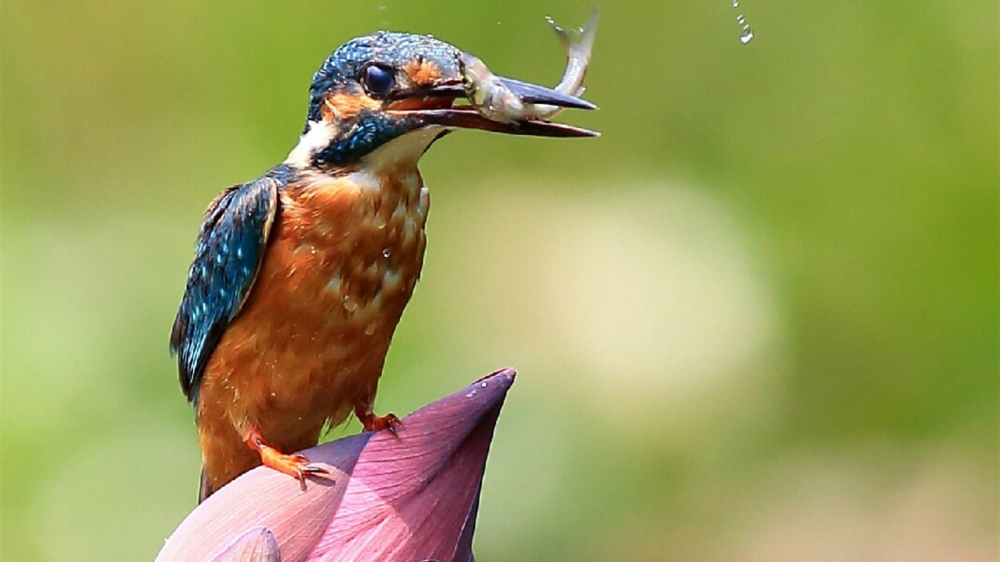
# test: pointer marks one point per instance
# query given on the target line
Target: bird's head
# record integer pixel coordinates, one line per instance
(381, 87)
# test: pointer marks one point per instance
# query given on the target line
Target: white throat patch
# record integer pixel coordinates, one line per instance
(318, 136)
(401, 152)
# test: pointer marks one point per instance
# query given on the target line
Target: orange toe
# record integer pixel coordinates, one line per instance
(293, 465)
(296, 465)
(371, 422)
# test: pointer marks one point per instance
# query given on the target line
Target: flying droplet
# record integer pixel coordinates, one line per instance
(747, 34)
(386, 252)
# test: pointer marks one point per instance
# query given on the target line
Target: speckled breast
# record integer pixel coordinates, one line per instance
(344, 257)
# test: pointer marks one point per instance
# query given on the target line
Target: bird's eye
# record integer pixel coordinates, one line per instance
(378, 80)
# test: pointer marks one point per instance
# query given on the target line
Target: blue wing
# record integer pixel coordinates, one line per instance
(228, 254)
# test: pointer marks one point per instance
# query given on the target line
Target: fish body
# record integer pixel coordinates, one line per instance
(495, 100)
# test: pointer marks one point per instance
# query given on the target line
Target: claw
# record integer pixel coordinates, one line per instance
(296, 465)
(391, 423)
(371, 422)
(300, 465)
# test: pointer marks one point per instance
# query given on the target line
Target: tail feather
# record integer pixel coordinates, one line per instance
(205, 489)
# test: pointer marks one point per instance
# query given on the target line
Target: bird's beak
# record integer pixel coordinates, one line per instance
(436, 105)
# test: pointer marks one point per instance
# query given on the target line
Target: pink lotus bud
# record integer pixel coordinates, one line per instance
(408, 497)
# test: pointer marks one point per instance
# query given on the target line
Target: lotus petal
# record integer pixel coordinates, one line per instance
(409, 496)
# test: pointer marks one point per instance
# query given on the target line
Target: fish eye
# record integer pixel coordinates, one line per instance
(377, 80)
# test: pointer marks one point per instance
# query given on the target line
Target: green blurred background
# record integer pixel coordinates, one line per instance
(756, 320)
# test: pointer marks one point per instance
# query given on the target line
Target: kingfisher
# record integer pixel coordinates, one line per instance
(300, 276)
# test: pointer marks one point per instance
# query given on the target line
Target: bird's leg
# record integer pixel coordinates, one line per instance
(371, 422)
(293, 465)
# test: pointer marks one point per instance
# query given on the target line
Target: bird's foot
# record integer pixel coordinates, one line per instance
(295, 465)
(371, 422)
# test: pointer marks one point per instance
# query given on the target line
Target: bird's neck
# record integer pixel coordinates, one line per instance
(387, 174)
(339, 147)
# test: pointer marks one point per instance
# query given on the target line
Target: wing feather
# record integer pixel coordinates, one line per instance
(228, 255)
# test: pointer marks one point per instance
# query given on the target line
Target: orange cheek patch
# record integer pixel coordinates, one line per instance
(345, 106)
(422, 72)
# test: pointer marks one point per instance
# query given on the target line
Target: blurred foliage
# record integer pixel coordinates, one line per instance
(758, 318)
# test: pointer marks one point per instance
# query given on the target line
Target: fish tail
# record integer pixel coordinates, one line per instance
(564, 38)
(583, 42)
(577, 43)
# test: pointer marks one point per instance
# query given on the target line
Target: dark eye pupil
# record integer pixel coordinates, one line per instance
(378, 80)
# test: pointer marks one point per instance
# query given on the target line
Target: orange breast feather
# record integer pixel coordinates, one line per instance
(311, 339)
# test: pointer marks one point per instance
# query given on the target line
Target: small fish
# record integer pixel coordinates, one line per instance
(578, 48)
(494, 100)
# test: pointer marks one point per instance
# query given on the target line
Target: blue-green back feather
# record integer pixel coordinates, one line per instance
(228, 254)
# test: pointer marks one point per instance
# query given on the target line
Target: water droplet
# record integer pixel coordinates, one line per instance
(747, 34)
(484, 385)
(370, 329)
(350, 305)
(312, 250)
(386, 252)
